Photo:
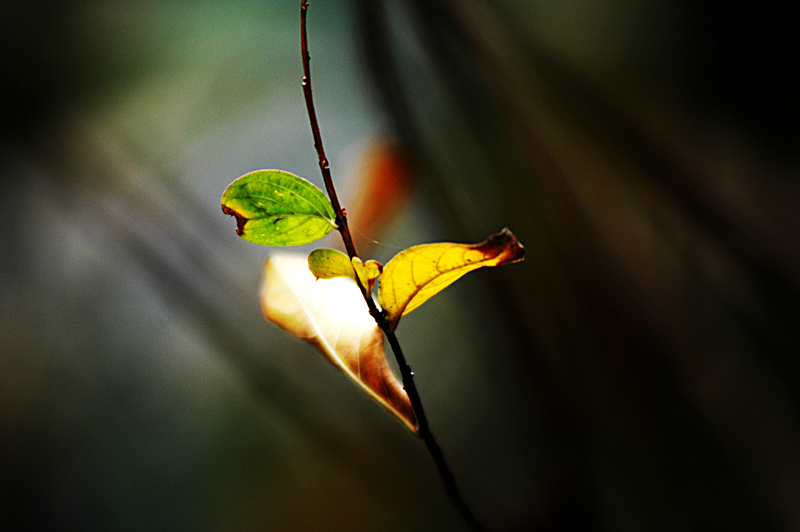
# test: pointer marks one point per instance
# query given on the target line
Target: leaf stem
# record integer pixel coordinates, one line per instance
(405, 370)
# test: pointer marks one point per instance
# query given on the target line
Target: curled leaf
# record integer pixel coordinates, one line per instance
(367, 272)
(276, 208)
(420, 272)
(332, 315)
(328, 263)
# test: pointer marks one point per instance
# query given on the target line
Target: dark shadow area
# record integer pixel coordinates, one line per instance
(639, 371)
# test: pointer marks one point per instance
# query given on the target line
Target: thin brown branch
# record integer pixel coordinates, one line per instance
(324, 165)
(405, 370)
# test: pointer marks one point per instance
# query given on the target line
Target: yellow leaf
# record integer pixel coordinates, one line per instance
(420, 272)
(332, 315)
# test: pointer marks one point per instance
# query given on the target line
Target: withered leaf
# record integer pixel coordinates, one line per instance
(418, 273)
(332, 315)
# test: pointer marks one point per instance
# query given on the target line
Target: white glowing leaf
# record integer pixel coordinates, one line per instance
(333, 316)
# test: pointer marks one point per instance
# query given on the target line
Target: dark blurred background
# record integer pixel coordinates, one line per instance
(639, 371)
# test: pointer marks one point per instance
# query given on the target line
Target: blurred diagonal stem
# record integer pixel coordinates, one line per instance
(341, 222)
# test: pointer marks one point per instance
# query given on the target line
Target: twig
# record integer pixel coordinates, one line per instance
(405, 370)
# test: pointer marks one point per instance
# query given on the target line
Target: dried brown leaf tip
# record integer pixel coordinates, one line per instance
(503, 246)
(240, 220)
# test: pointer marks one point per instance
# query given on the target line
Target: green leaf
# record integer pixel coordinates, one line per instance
(418, 273)
(328, 263)
(276, 208)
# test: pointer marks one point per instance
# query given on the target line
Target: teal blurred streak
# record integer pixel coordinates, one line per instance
(140, 389)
